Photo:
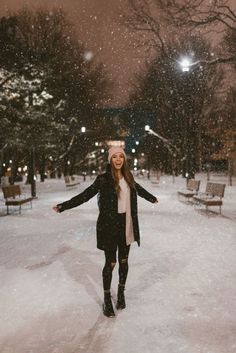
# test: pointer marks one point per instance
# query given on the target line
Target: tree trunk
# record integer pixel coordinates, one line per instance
(42, 168)
(230, 170)
(72, 164)
(31, 171)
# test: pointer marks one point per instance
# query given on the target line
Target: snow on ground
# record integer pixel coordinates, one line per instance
(181, 288)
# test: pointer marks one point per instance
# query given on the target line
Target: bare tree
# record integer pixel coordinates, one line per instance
(177, 100)
(159, 20)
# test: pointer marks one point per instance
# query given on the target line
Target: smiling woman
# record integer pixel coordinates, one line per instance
(117, 224)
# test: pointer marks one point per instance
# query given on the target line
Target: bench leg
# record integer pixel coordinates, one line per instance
(7, 209)
(20, 209)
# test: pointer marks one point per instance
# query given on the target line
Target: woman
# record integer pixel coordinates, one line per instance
(117, 224)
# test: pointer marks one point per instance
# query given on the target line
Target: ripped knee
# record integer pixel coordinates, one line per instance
(113, 265)
(123, 261)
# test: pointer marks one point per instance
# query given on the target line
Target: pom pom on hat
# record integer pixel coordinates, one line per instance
(114, 150)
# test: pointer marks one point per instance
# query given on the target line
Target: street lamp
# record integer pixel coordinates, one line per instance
(167, 142)
(88, 55)
(188, 169)
(170, 146)
(185, 64)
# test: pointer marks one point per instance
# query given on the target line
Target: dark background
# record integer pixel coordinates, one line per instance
(98, 25)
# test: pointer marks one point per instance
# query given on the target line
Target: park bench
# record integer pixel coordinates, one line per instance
(212, 196)
(13, 197)
(191, 189)
(70, 181)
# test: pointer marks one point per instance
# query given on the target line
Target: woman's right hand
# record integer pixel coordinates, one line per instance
(56, 209)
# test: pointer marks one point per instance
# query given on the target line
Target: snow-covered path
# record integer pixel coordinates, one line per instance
(181, 288)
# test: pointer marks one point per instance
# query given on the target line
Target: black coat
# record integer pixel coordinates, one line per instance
(107, 223)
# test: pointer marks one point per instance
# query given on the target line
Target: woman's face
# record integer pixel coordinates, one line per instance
(117, 160)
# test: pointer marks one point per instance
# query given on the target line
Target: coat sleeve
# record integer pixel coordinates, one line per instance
(81, 198)
(144, 193)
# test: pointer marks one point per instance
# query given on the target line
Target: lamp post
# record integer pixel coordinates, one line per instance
(148, 130)
(174, 151)
(188, 168)
(92, 157)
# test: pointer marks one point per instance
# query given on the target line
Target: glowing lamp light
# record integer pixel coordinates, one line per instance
(185, 65)
(147, 128)
(83, 129)
(88, 55)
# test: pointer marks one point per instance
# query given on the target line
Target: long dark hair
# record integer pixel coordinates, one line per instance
(126, 174)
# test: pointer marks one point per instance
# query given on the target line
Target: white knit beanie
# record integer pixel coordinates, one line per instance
(114, 150)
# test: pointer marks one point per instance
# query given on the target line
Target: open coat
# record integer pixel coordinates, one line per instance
(108, 223)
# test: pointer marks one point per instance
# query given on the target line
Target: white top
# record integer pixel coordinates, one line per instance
(124, 206)
(124, 196)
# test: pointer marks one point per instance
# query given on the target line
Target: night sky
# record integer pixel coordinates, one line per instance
(98, 26)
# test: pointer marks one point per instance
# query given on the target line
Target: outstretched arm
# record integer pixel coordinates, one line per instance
(145, 194)
(81, 198)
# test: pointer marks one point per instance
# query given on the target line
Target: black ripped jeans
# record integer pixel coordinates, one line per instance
(110, 258)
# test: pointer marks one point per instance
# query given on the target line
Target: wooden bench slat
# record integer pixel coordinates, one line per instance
(18, 202)
(70, 181)
(212, 196)
(12, 195)
(191, 189)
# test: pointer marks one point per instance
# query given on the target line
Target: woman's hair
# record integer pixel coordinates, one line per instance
(126, 174)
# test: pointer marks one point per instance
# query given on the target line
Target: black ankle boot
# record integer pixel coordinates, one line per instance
(120, 297)
(107, 306)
